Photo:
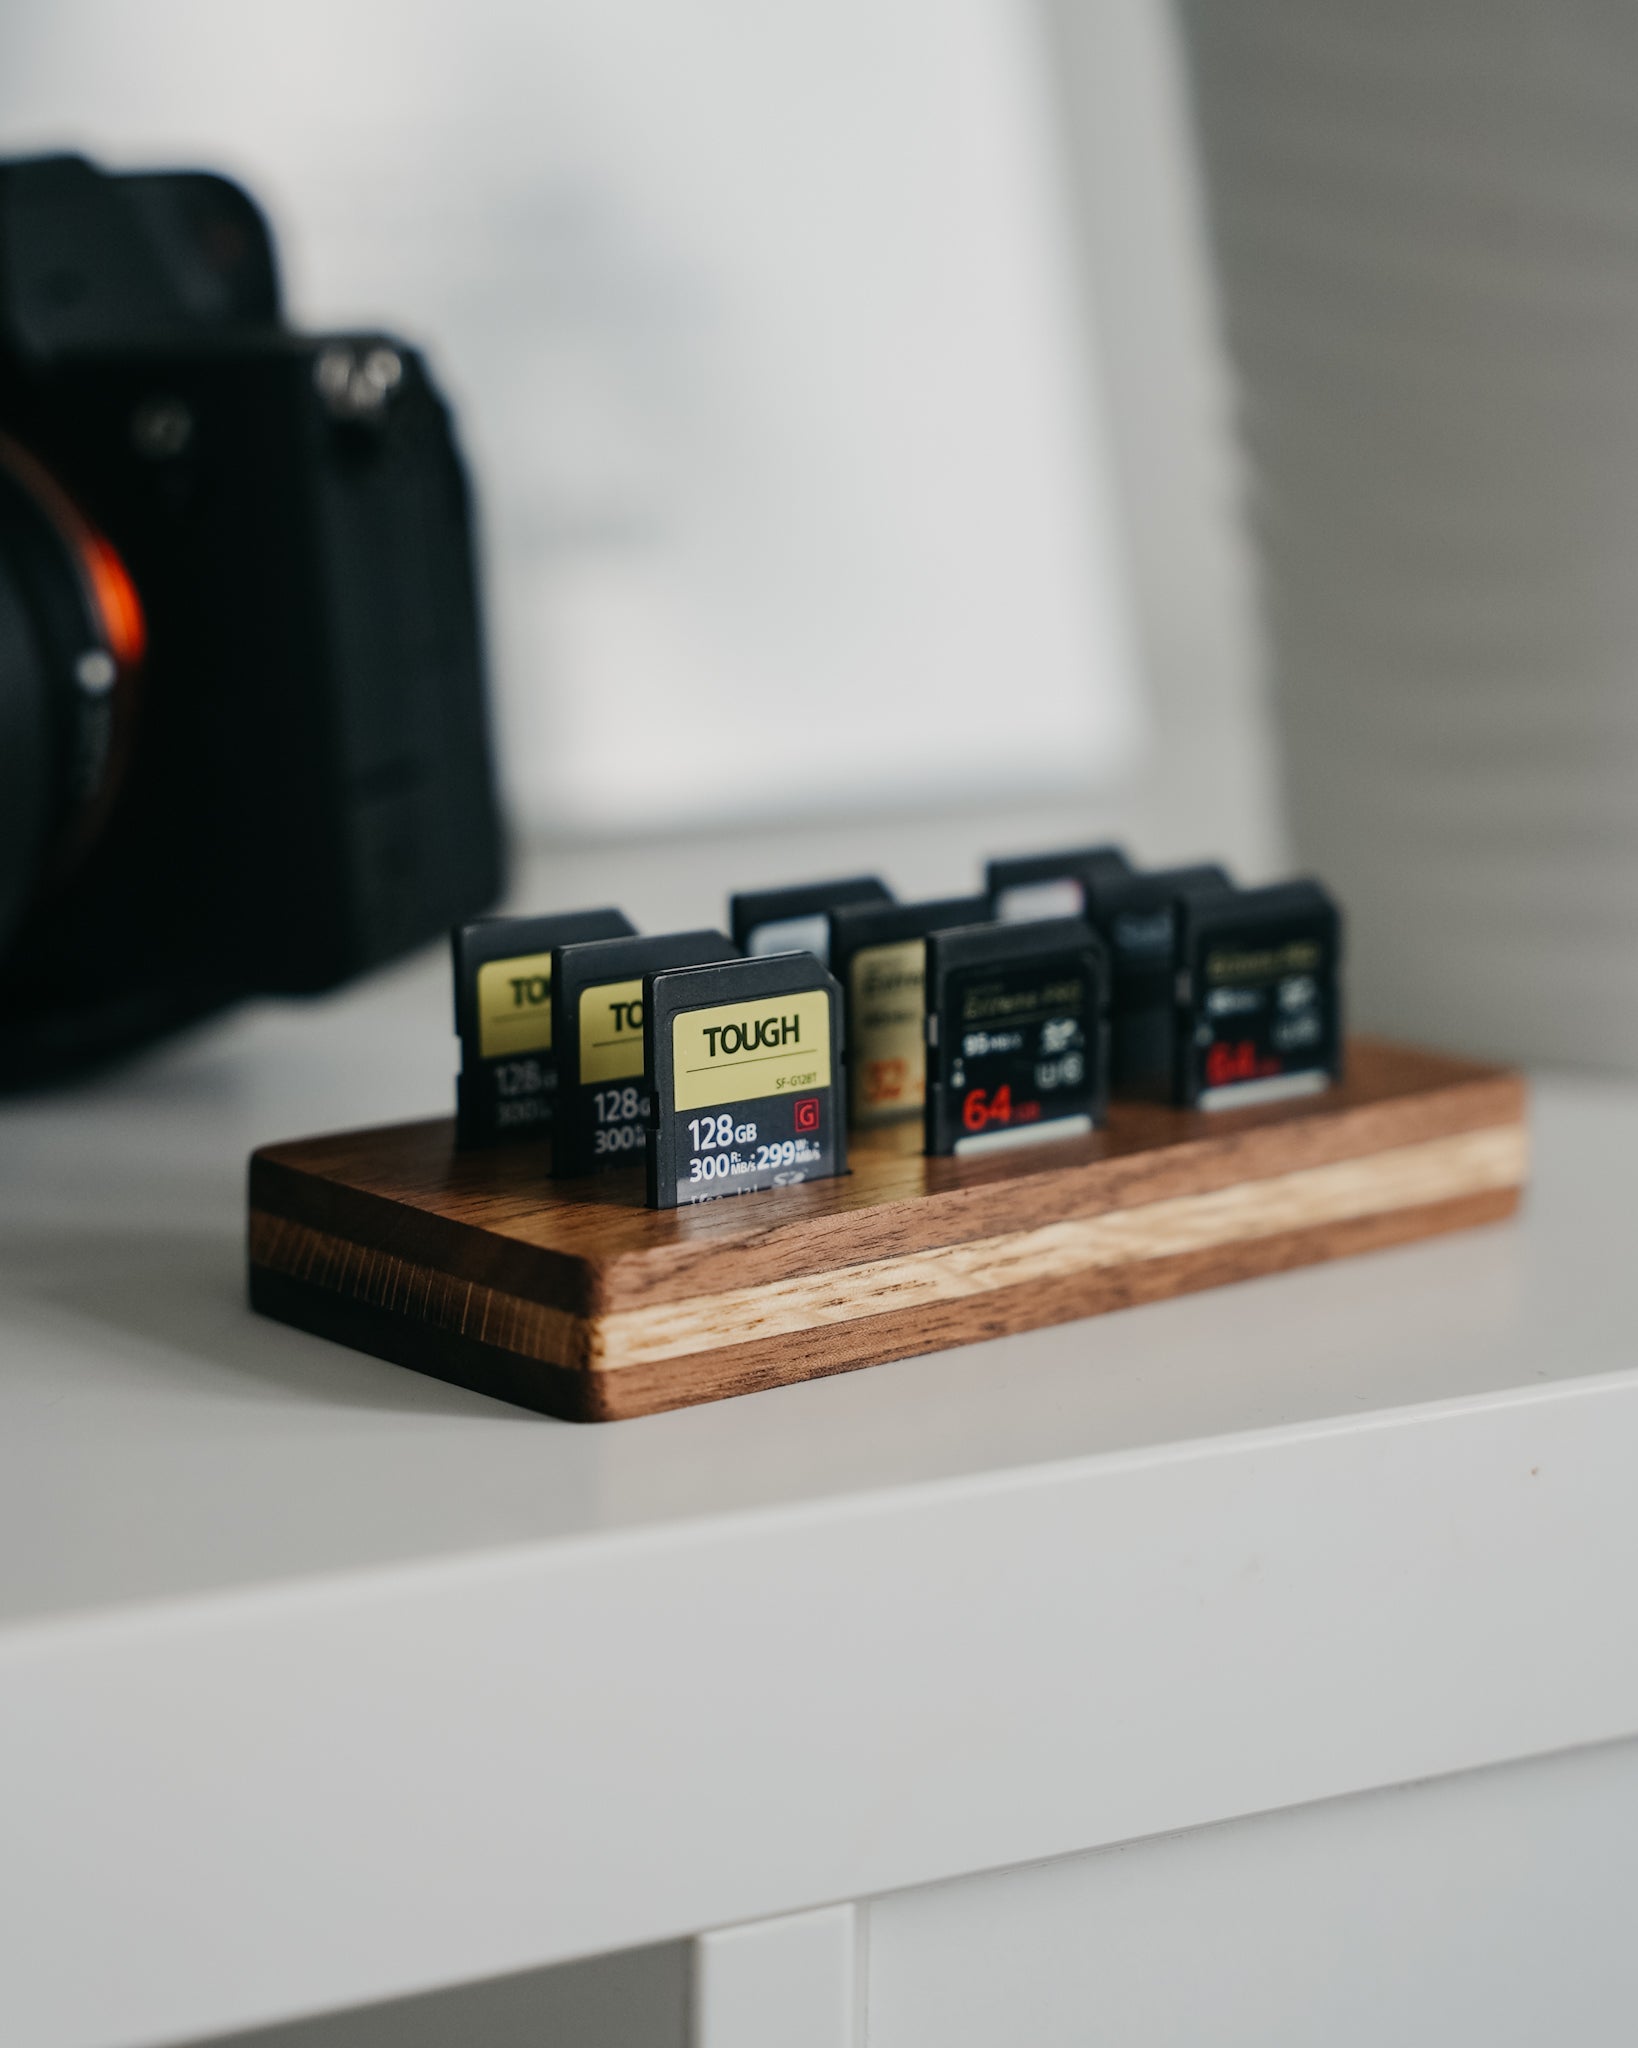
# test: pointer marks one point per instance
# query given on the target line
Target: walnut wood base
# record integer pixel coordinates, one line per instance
(580, 1302)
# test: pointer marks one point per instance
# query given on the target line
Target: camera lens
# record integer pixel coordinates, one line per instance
(71, 644)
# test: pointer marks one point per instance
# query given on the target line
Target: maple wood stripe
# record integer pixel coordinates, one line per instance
(1410, 1176)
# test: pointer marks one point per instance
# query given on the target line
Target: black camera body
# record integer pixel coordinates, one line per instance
(243, 738)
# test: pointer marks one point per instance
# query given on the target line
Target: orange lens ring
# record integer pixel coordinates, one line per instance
(114, 596)
(102, 574)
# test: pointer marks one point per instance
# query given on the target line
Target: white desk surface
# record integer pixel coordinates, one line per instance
(320, 1681)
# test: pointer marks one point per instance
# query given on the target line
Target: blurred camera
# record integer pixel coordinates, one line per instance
(243, 738)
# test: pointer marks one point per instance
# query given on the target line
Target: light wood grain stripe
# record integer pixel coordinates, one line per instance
(1410, 1176)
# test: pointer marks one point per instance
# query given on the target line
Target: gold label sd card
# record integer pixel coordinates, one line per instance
(597, 1024)
(1026, 888)
(797, 919)
(746, 1065)
(878, 952)
(503, 1018)
(1017, 1034)
(1259, 997)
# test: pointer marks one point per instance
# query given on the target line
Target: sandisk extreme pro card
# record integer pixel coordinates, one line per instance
(746, 1065)
(1017, 1034)
(797, 919)
(1259, 994)
(878, 952)
(503, 1016)
(597, 1024)
(1025, 888)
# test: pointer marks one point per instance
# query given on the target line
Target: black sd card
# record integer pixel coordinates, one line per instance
(503, 1015)
(878, 952)
(797, 919)
(1029, 887)
(1258, 993)
(1135, 915)
(1017, 1034)
(597, 1025)
(746, 1065)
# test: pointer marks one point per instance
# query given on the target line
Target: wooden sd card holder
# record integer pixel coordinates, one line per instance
(576, 1300)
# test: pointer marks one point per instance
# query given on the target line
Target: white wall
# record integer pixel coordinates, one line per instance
(833, 416)
(763, 329)
(1428, 218)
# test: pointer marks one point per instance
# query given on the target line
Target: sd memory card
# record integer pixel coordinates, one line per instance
(1135, 915)
(597, 1025)
(878, 952)
(746, 1066)
(1032, 886)
(1258, 993)
(797, 919)
(503, 1016)
(1017, 1034)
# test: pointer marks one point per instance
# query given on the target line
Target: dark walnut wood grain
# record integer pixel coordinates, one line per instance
(576, 1300)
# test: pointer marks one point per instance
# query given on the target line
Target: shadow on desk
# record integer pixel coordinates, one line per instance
(637, 1999)
(181, 1295)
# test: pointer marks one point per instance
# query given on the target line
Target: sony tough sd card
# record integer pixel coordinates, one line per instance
(1258, 994)
(503, 1015)
(1135, 915)
(797, 919)
(1017, 1034)
(1028, 887)
(597, 1023)
(878, 952)
(745, 1060)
